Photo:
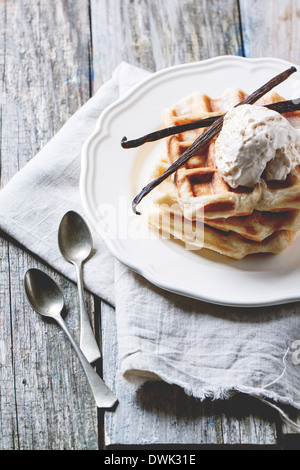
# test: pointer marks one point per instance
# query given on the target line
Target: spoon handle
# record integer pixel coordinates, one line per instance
(88, 343)
(103, 395)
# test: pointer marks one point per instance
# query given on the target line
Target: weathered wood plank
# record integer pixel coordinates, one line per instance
(8, 412)
(153, 35)
(271, 28)
(45, 72)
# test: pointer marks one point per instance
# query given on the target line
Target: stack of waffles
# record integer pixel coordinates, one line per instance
(199, 208)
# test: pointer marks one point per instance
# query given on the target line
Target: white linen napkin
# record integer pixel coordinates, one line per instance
(208, 350)
(36, 198)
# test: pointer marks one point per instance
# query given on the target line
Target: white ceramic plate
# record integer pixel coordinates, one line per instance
(111, 176)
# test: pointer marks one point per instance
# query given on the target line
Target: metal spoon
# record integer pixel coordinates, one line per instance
(46, 298)
(75, 244)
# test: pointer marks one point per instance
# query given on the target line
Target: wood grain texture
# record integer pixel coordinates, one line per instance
(271, 28)
(154, 34)
(45, 77)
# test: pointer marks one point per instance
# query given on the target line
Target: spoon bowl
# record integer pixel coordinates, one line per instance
(43, 293)
(75, 244)
(74, 238)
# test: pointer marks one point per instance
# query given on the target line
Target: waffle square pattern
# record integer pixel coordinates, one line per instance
(196, 205)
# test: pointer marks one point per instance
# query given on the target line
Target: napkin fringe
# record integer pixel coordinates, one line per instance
(140, 377)
(222, 393)
(225, 393)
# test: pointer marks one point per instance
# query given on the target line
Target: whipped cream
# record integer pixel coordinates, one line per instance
(254, 139)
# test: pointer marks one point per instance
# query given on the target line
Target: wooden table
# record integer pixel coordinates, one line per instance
(53, 56)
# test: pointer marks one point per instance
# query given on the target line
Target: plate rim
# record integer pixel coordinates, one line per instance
(99, 128)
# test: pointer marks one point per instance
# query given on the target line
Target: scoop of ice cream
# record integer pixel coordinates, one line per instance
(254, 139)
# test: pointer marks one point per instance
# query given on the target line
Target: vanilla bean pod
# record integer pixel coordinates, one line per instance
(281, 107)
(208, 135)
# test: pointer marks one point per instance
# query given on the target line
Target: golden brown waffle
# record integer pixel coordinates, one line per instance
(236, 236)
(259, 225)
(199, 184)
(226, 243)
(256, 226)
